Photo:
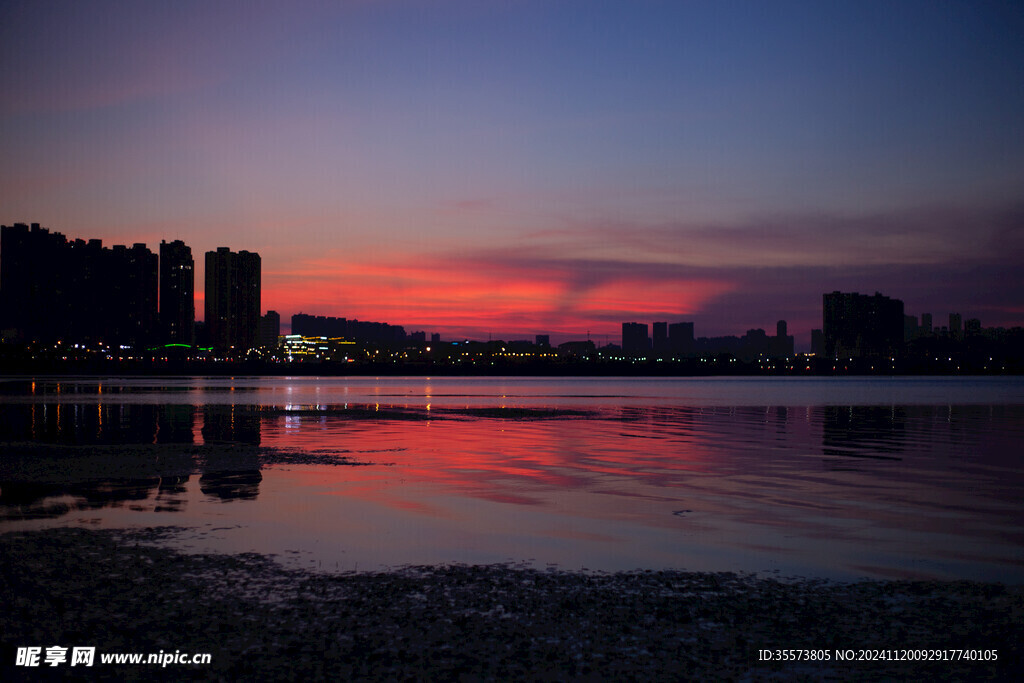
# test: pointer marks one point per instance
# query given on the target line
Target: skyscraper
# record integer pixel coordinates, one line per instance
(634, 338)
(861, 326)
(270, 329)
(817, 343)
(680, 338)
(660, 340)
(926, 324)
(133, 289)
(232, 299)
(956, 330)
(29, 259)
(54, 289)
(781, 345)
(177, 292)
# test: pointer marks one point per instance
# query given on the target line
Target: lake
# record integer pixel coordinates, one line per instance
(836, 478)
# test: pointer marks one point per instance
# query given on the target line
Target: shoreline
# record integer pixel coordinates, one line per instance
(120, 591)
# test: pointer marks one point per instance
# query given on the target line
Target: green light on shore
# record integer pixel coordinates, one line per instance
(184, 346)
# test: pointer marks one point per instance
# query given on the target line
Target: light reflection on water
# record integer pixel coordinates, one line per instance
(623, 479)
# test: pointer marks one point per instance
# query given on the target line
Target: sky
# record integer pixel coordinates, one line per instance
(530, 167)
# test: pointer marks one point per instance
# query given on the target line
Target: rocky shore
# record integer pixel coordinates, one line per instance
(122, 592)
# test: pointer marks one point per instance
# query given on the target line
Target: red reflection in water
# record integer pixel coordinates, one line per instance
(842, 490)
(527, 462)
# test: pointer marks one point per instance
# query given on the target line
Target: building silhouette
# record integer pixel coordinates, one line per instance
(177, 293)
(352, 330)
(635, 339)
(680, 338)
(270, 329)
(861, 326)
(956, 326)
(31, 286)
(911, 328)
(817, 343)
(782, 345)
(133, 285)
(659, 341)
(54, 289)
(232, 299)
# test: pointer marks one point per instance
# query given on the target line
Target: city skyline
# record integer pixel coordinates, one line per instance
(38, 256)
(537, 168)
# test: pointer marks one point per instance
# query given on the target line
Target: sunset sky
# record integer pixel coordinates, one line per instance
(537, 166)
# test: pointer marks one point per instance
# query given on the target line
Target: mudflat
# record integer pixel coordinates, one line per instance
(122, 591)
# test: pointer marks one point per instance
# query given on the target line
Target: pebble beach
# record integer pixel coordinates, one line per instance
(122, 591)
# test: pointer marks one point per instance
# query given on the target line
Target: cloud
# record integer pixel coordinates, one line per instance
(923, 235)
(727, 278)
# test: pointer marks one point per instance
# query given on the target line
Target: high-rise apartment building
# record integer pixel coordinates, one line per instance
(55, 289)
(659, 342)
(270, 329)
(177, 292)
(926, 324)
(817, 343)
(956, 328)
(861, 326)
(680, 338)
(782, 344)
(132, 286)
(232, 304)
(634, 338)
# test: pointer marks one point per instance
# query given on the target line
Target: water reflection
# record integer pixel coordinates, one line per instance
(124, 455)
(243, 484)
(231, 424)
(863, 431)
(868, 487)
(127, 423)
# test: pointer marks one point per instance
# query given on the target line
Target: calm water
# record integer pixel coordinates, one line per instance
(840, 478)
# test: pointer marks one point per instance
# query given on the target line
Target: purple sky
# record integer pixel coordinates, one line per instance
(523, 167)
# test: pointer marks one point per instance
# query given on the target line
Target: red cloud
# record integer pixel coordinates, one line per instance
(469, 295)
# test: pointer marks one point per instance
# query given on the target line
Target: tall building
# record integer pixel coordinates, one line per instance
(926, 324)
(782, 344)
(956, 329)
(911, 330)
(861, 326)
(659, 341)
(680, 338)
(634, 338)
(133, 290)
(177, 292)
(53, 289)
(817, 343)
(232, 299)
(270, 329)
(32, 305)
